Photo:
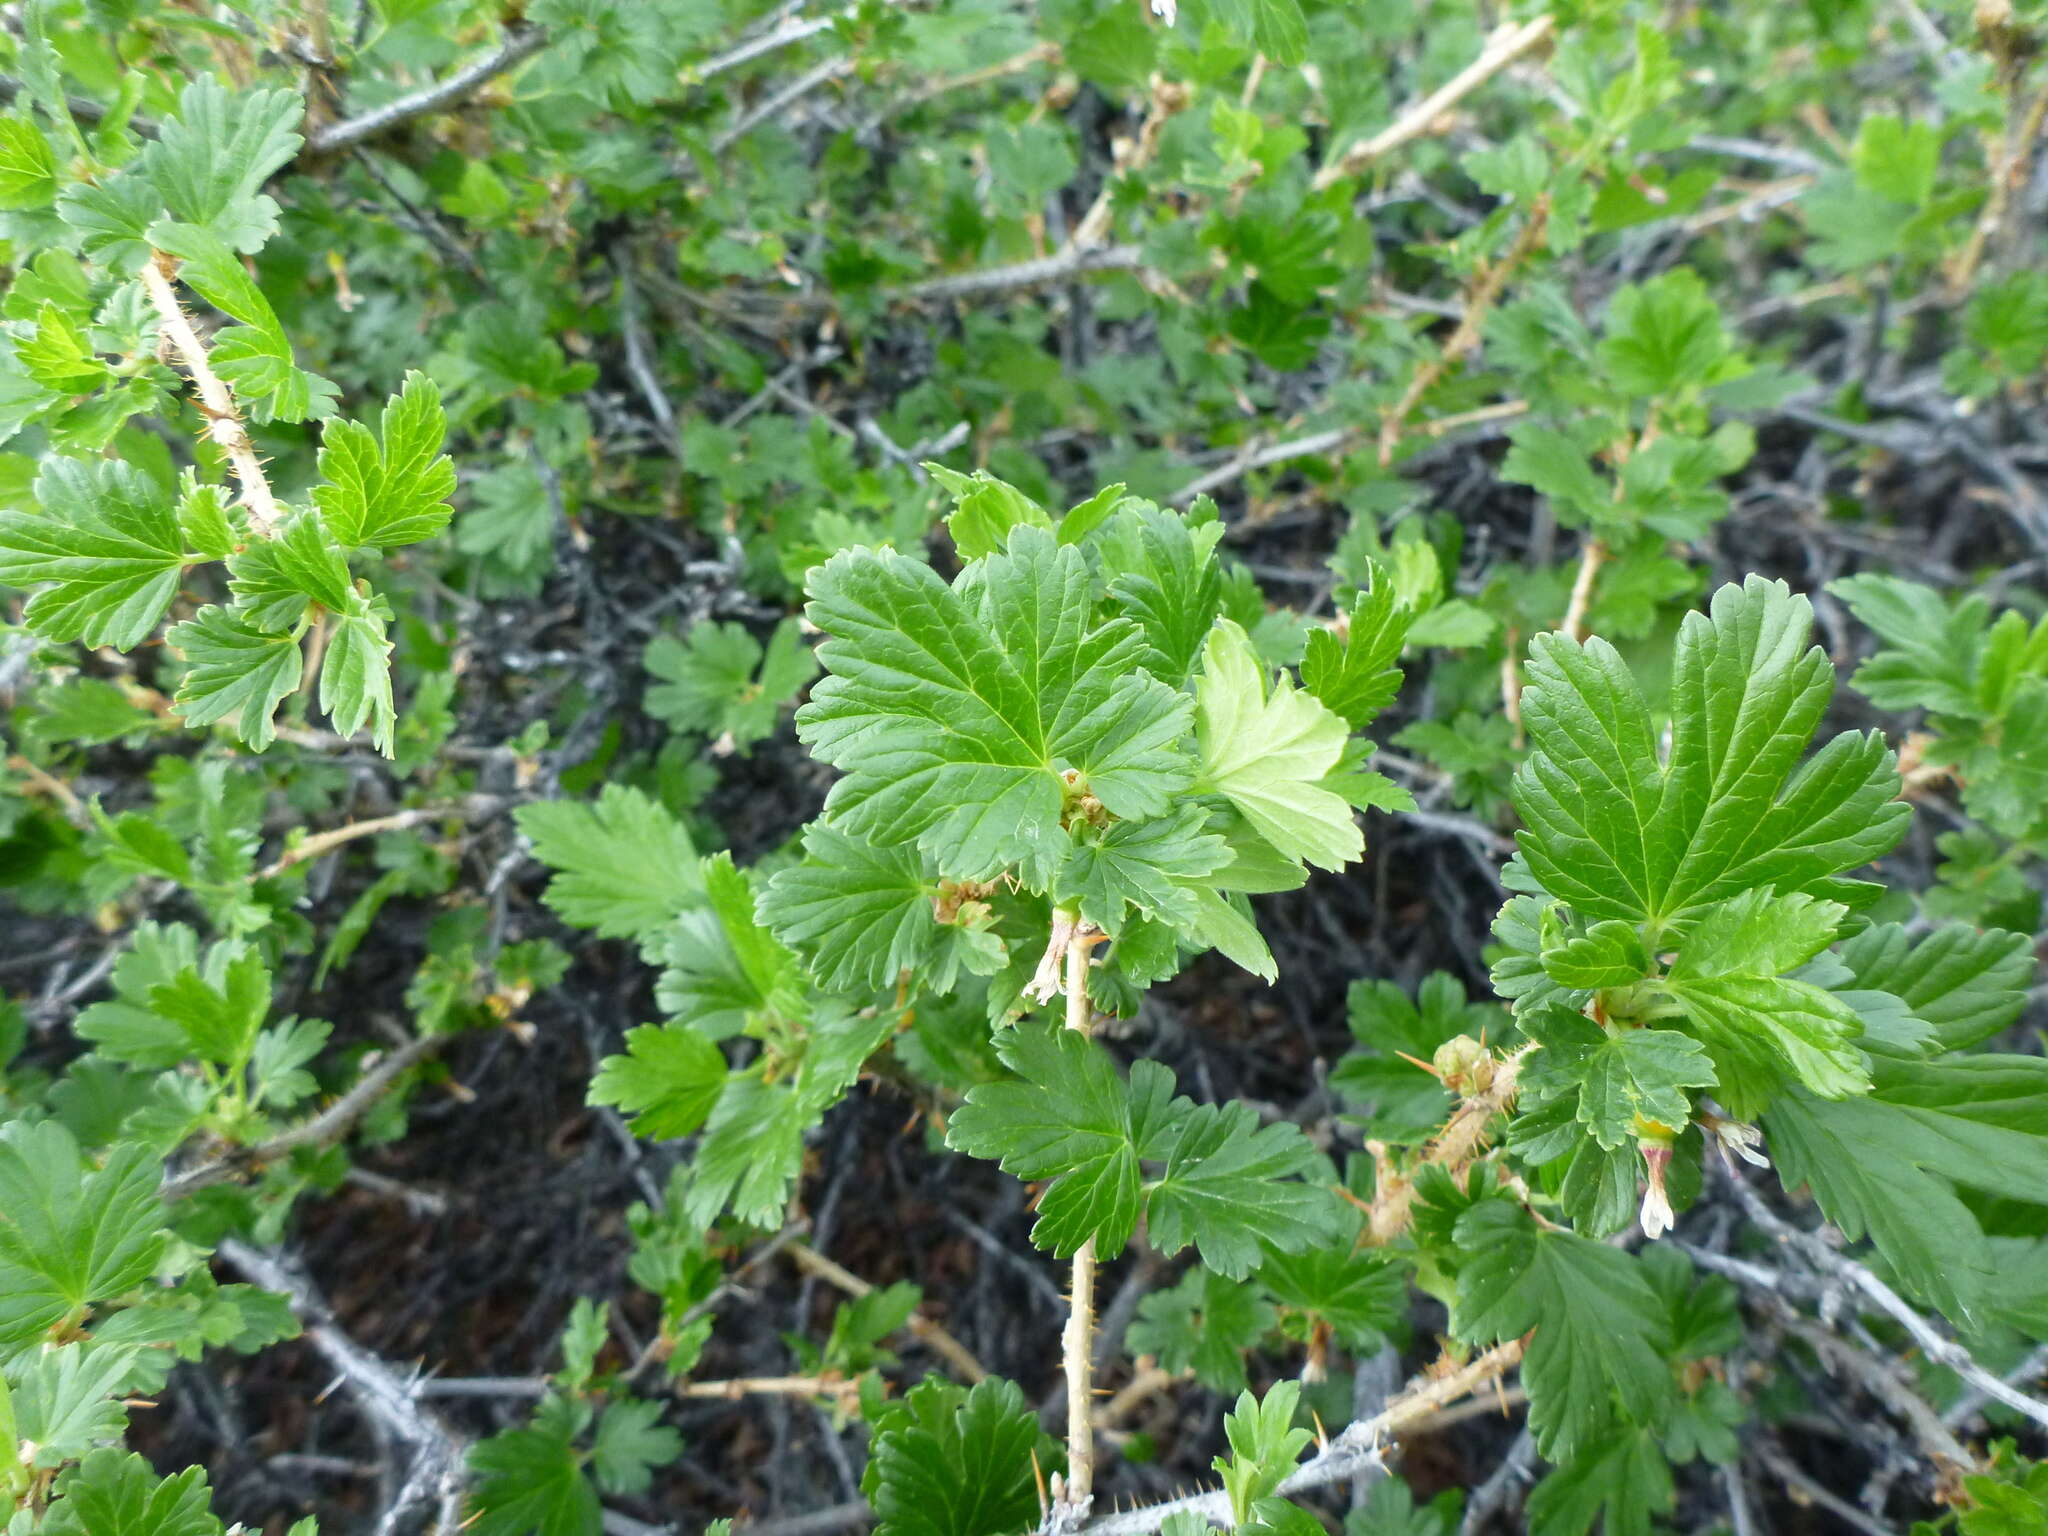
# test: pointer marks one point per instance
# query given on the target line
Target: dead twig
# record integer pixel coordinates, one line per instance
(1939, 1348)
(1333, 443)
(437, 1475)
(1065, 263)
(1357, 1449)
(1506, 45)
(319, 843)
(521, 42)
(921, 1327)
(330, 1125)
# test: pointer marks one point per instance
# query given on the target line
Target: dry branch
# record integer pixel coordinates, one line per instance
(920, 1327)
(1502, 49)
(437, 1475)
(1356, 1450)
(1939, 1348)
(330, 1125)
(521, 43)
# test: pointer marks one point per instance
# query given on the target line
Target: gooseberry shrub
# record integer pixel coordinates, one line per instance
(988, 769)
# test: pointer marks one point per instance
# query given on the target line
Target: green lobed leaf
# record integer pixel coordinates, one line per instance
(529, 1481)
(219, 1013)
(1390, 1510)
(952, 709)
(957, 742)
(666, 1082)
(859, 913)
(1229, 1187)
(1264, 1446)
(985, 511)
(630, 1445)
(254, 359)
(752, 1147)
(71, 1235)
(275, 579)
(1620, 1482)
(955, 1462)
(1141, 865)
(1763, 1027)
(1664, 336)
(1608, 954)
(1932, 648)
(66, 1399)
(1165, 574)
(112, 218)
(1204, 1325)
(1616, 835)
(1357, 677)
(209, 162)
(710, 682)
(1625, 1082)
(58, 356)
(1967, 983)
(623, 865)
(1266, 753)
(233, 668)
(1871, 1167)
(105, 549)
(28, 170)
(1358, 1293)
(1586, 1365)
(355, 674)
(125, 1027)
(113, 1493)
(1070, 1119)
(391, 488)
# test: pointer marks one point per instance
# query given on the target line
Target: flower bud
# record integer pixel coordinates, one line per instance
(1464, 1065)
(1657, 1215)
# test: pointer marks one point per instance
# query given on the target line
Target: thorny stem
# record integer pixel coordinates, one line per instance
(1502, 49)
(438, 1474)
(1355, 1450)
(1479, 301)
(2010, 153)
(919, 1326)
(1595, 553)
(326, 842)
(1591, 558)
(223, 424)
(1076, 1491)
(1939, 1348)
(1168, 98)
(328, 1126)
(1461, 1139)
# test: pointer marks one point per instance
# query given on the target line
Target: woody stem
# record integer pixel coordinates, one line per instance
(224, 423)
(1078, 1490)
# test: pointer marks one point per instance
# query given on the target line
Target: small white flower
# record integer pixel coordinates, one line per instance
(1167, 11)
(1730, 1135)
(1049, 980)
(1657, 1216)
(1745, 1141)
